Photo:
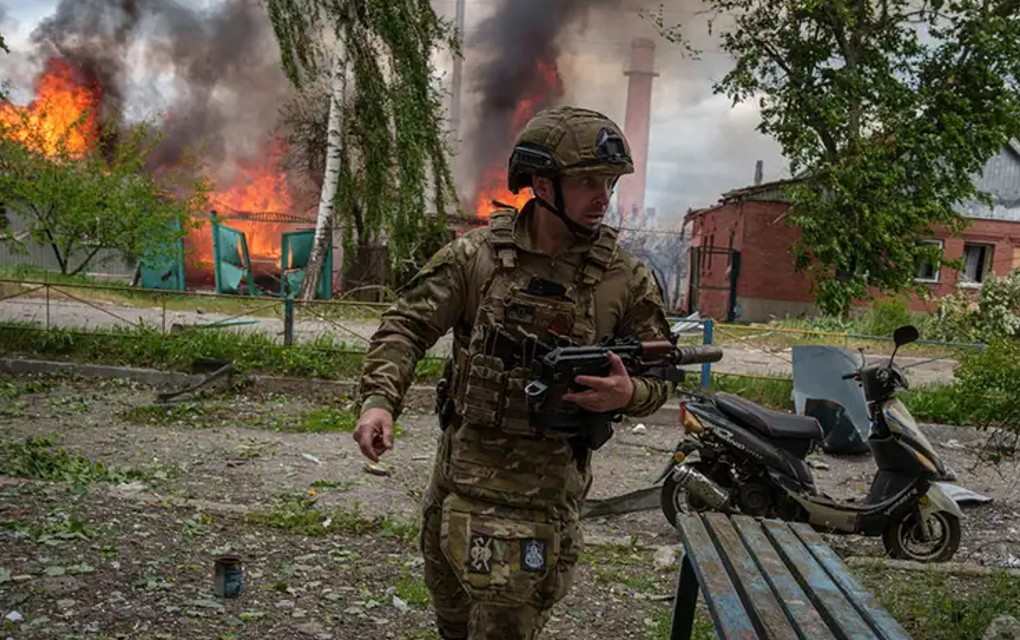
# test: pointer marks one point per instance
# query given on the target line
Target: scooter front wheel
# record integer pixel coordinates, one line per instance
(906, 539)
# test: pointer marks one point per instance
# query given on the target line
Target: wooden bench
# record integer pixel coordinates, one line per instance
(771, 579)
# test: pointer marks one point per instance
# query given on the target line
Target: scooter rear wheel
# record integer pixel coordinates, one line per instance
(903, 539)
(675, 499)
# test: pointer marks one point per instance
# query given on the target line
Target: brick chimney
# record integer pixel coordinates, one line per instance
(631, 199)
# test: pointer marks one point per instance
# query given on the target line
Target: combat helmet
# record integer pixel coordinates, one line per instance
(567, 141)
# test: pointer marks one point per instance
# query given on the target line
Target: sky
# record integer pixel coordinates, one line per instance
(700, 146)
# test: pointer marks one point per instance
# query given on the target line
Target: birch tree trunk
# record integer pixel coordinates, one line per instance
(334, 147)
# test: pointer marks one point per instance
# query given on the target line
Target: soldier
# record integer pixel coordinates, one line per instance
(500, 531)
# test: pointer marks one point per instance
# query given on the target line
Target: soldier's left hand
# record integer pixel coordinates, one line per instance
(607, 393)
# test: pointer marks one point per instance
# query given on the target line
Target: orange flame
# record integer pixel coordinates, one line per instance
(63, 115)
(262, 187)
(546, 88)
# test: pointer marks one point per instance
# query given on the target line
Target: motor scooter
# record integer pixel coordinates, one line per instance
(739, 457)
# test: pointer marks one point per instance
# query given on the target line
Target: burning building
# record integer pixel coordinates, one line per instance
(212, 76)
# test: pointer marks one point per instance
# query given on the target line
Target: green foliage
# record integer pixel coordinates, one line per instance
(995, 313)
(323, 420)
(80, 202)
(300, 514)
(885, 316)
(941, 606)
(186, 414)
(989, 386)
(394, 168)
(887, 112)
(942, 404)
(41, 458)
(775, 393)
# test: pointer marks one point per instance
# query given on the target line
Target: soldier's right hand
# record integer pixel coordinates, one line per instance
(374, 433)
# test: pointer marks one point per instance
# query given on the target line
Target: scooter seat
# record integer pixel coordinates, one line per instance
(772, 424)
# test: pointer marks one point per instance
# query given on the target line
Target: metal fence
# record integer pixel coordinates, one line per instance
(94, 308)
(752, 351)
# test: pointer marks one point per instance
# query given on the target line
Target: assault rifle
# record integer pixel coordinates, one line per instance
(556, 370)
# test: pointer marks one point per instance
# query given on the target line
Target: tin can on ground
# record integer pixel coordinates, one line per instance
(228, 577)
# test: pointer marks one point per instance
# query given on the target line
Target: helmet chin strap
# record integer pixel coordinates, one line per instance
(558, 211)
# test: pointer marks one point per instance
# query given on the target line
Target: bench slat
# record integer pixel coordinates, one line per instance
(728, 613)
(798, 607)
(769, 615)
(825, 594)
(865, 602)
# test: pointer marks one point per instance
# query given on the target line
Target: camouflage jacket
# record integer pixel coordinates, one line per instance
(446, 293)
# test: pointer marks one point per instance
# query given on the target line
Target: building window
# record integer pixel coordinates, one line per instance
(928, 270)
(977, 263)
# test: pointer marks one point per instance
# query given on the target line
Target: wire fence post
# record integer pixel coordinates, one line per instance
(288, 320)
(706, 367)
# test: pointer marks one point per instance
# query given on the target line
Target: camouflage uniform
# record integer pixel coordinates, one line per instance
(501, 533)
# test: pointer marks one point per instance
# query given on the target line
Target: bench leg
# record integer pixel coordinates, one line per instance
(684, 605)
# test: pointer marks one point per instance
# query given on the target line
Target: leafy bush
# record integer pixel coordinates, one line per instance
(993, 313)
(885, 316)
(989, 383)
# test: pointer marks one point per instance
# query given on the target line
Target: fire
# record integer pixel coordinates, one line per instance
(547, 87)
(63, 115)
(261, 187)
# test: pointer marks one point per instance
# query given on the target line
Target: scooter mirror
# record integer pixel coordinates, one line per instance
(905, 335)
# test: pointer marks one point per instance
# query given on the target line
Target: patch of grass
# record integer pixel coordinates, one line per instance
(412, 590)
(330, 484)
(56, 529)
(326, 419)
(406, 531)
(196, 525)
(11, 388)
(40, 458)
(160, 415)
(938, 403)
(936, 606)
(662, 623)
(612, 555)
(772, 393)
(300, 514)
(643, 582)
(321, 420)
(148, 347)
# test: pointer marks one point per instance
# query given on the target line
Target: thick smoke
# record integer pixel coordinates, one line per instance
(514, 45)
(214, 72)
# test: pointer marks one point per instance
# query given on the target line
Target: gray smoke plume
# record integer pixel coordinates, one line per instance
(214, 72)
(519, 47)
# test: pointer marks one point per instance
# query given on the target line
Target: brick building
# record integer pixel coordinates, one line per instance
(742, 269)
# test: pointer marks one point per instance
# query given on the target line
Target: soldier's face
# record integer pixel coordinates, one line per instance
(585, 198)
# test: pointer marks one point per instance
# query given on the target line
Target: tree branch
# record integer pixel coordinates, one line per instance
(87, 260)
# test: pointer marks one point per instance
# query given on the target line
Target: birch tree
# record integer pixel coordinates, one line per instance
(386, 150)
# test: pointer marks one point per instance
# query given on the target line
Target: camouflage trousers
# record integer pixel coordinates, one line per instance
(463, 616)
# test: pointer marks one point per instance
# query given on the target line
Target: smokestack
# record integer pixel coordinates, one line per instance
(758, 170)
(637, 124)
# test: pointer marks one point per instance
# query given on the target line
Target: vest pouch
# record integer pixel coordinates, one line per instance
(500, 554)
(483, 391)
(516, 418)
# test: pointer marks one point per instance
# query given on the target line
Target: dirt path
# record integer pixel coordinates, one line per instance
(135, 560)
